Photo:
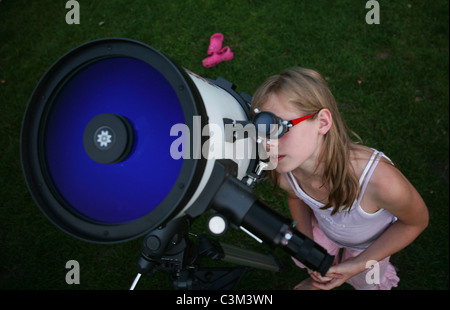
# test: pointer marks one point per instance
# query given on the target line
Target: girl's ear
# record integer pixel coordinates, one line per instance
(325, 120)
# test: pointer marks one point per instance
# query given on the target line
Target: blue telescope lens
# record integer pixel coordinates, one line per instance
(121, 191)
(96, 140)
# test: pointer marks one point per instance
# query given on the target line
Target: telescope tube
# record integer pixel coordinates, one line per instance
(242, 208)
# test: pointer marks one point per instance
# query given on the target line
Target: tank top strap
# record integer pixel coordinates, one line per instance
(300, 193)
(367, 173)
(363, 180)
(368, 165)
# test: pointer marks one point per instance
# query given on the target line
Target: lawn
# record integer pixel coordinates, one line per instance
(390, 81)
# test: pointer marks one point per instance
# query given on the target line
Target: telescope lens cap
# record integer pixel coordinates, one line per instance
(108, 138)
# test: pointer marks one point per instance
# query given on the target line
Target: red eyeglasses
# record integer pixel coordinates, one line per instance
(272, 126)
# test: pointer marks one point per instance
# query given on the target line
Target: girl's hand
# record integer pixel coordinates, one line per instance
(317, 277)
(337, 275)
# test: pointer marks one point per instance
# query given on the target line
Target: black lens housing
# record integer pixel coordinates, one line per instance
(269, 126)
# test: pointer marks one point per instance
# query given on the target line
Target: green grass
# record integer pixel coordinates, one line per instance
(401, 108)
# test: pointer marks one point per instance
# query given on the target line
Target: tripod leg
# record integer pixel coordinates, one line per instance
(232, 254)
(135, 282)
(210, 278)
(245, 257)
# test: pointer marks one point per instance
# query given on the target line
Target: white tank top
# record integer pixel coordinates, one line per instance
(355, 229)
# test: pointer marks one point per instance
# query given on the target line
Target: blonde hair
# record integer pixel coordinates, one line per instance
(308, 90)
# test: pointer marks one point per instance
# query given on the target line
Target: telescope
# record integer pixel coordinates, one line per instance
(119, 142)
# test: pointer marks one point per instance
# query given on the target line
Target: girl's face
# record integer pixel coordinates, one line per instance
(300, 146)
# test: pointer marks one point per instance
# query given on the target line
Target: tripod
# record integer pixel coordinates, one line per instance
(171, 248)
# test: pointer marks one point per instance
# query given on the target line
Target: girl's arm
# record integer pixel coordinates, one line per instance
(390, 190)
(300, 212)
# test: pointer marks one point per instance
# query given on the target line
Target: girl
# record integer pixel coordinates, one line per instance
(342, 195)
